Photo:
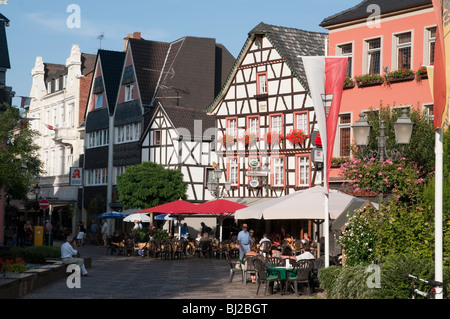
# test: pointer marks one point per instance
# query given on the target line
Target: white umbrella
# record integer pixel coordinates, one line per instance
(138, 216)
(305, 204)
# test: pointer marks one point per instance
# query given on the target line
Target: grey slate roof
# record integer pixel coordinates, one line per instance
(112, 64)
(290, 44)
(360, 11)
(4, 54)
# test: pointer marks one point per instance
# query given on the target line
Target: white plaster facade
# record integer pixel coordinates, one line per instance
(56, 93)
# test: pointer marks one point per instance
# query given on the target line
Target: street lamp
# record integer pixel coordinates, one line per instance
(213, 185)
(403, 131)
(37, 191)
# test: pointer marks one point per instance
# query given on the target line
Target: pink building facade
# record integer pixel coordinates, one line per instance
(382, 39)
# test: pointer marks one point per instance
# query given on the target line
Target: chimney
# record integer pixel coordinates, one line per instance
(134, 35)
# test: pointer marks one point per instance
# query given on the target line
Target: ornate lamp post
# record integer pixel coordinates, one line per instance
(403, 131)
(213, 185)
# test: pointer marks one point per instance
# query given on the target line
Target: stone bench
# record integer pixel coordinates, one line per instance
(16, 285)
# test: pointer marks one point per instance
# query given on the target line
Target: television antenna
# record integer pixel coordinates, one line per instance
(100, 37)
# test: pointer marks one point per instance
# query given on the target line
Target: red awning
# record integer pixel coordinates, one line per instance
(216, 207)
(178, 206)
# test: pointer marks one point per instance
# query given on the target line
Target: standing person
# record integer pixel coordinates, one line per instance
(205, 228)
(28, 233)
(137, 225)
(81, 232)
(21, 231)
(184, 231)
(68, 253)
(244, 241)
(94, 231)
(104, 231)
(48, 233)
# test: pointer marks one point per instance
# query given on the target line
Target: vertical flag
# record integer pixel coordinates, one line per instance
(326, 77)
(441, 76)
(25, 101)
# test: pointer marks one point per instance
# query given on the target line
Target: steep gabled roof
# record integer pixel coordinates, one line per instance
(361, 11)
(290, 43)
(112, 64)
(148, 58)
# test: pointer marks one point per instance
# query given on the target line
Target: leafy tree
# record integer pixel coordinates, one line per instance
(149, 184)
(19, 164)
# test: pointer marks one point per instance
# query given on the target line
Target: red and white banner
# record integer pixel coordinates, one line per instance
(50, 127)
(326, 76)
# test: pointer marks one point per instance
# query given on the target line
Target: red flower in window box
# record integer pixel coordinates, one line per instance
(227, 140)
(273, 138)
(249, 138)
(296, 136)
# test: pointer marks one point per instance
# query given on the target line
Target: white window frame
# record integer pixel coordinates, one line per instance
(98, 100)
(303, 166)
(368, 54)
(234, 171)
(97, 138)
(348, 55)
(302, 121)
(129, 92)
(428, 41)
(97, 176)
(278, 171)
(128, 133)
(396, 47)
(118, 170)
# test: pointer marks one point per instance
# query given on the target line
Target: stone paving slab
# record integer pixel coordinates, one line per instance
(133, 277)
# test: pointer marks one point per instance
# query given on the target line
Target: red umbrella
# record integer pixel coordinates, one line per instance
(217, 207)
(178, 206)
(221, 207)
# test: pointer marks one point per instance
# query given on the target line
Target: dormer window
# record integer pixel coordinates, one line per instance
(129, 92)
(98, 100)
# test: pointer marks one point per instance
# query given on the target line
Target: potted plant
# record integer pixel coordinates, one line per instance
(249, 138)
(296, 136)
(399, 76)
(369, 80)
(349, 83)
(227, 140)
(422, 73)
(273, 138)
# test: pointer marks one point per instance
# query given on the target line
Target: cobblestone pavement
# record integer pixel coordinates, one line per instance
(133, 277)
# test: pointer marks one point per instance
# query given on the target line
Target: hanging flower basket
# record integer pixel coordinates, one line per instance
(273, 138)
(227, 140)
(296, 137)
(249, 139)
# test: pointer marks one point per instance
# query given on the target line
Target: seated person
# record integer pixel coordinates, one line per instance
(306, 254)
(252, 252)
(264, 238)
(68, 253)
(275, 252)
(287, 253)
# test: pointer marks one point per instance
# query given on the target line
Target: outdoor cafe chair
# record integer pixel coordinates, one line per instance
(276, 261)
(235, 267)
(264, 275)
(264, 249)
(166, 250)
(300, 274)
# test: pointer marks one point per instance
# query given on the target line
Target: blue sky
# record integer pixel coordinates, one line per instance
(39, 28)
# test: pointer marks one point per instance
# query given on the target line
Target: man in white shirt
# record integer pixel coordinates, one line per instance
(68, 253)
(306, 254)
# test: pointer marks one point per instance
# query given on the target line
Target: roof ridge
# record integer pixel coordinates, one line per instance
(343, 12)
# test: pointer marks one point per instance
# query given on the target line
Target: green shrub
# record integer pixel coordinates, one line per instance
(350, 282)
(33, 254)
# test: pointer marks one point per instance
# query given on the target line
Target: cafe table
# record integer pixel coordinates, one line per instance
(284, 271)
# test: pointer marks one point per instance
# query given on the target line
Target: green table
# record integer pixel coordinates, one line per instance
(282, 270)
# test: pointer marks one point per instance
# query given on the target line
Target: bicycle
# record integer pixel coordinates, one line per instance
(430, 294)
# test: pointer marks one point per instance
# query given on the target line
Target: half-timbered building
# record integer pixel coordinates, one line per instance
(180, 135)
(260, 110)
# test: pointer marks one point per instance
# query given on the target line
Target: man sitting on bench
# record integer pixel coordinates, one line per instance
(68, 255)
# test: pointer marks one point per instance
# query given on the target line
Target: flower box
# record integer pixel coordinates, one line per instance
(296, 137)
(369, 80)
(422, 73)
(249, 139)
(349, 83)
(272, 138)
(227, 140)
(400, 76)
